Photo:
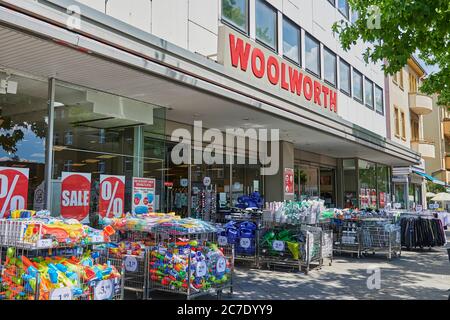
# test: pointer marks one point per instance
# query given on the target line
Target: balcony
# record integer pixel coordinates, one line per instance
(425, 148)
(446, 123)
(420, 104)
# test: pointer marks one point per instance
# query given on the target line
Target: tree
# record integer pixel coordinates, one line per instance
(397, 29)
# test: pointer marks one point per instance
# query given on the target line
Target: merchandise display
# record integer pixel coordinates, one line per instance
(242, 234)
(42, 231)
(26, 278)
(168, 222)
(251, 201)
(189, 266)
(205, 205)
(418, 231)
(295, 213)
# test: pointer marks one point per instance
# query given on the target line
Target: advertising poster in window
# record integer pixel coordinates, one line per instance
(111, 196)
(143, 195)
(13, 189)
(288, 181)
(75, 195)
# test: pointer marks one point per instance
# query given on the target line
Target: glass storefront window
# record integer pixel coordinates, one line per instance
(308, 182)
(399, 192)
(383, 178)
(23, 130)
(350, 184)
(327, 187)
(368, 184)
(246, 180)
(107, 134)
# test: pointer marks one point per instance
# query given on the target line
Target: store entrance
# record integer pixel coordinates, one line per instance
(328, 186)
(176, 185)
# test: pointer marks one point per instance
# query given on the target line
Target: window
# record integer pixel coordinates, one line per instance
(355, 16)
(291, 41)
(379, 105)
(397, 122)
(357, 85)
(403, 125)
(266, 24)
(343, 8)
(414, 130)
(330, 67)
(368, 93)
(400, 78)
(412, 83)
(235, 12)
(312, 55)
(344, 77)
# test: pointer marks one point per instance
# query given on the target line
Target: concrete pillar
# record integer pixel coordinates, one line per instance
(274, 184)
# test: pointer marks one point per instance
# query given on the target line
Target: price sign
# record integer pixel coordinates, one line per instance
(131, 264)
(221, 265)
(278, 245)
(61, 294)
(103, 290)
(223, 241)
(201, 268)
(13, 189)
(245, 243)
(112, 195)
(45, 243)
(97, 238)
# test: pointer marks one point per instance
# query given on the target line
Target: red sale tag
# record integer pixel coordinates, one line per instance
(112, 195)
(75, 195)
(288, 181)
(13, 189)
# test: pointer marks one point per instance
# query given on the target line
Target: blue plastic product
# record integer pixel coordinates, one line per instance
(141, 210)
(232, 235)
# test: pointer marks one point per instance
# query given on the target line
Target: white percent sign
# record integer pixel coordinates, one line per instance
(16, 202)
(109, 194)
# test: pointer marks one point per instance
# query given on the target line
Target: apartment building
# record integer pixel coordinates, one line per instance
(437, 129)
(122, 75)
(408, 109)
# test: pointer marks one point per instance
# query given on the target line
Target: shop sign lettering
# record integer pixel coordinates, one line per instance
(272, 73)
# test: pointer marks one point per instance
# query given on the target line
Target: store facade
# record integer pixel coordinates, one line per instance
(109, 108)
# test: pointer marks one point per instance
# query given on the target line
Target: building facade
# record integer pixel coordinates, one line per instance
(102, 85)
(409, 108)
(437, 129)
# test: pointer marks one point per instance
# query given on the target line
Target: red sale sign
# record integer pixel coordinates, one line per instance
(13, 189)
(112, 195)
(288, 181)
(75, 195)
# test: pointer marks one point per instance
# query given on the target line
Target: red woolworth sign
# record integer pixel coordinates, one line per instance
(272, 73)
(75, 195)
